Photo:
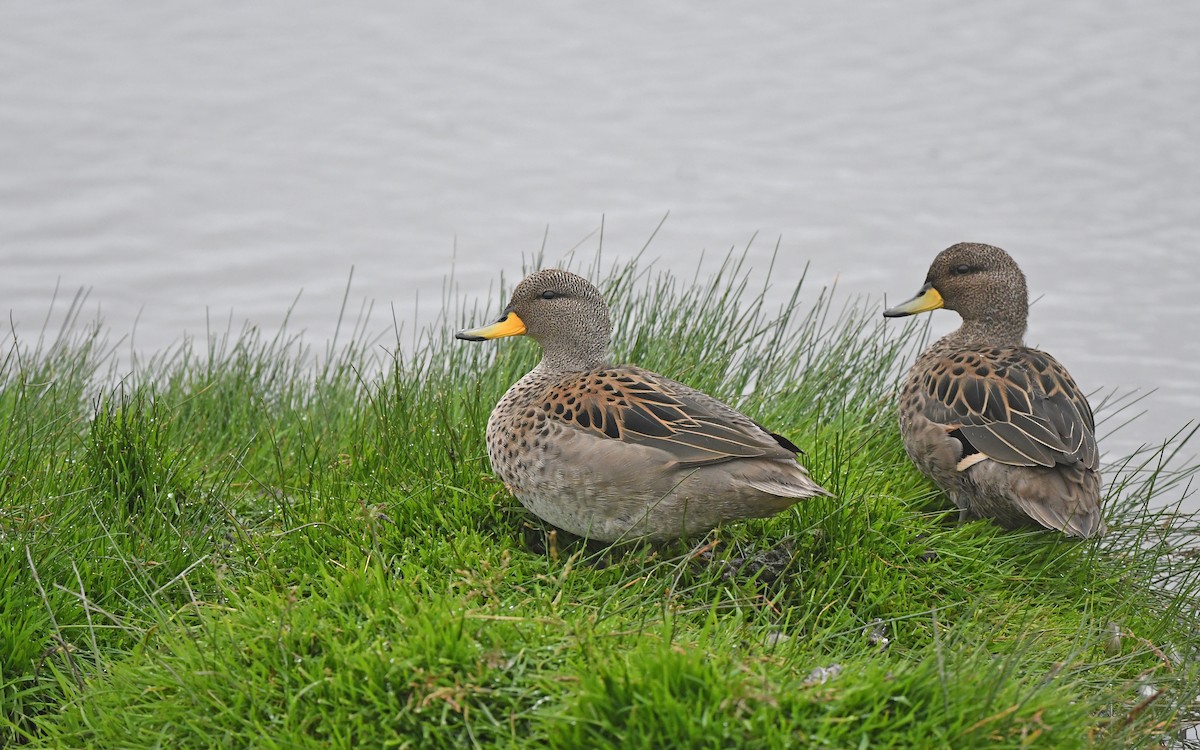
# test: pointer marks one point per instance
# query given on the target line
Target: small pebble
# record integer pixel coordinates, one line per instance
(877, 634)
(776, 637)
(821, 675)
(1112, 639)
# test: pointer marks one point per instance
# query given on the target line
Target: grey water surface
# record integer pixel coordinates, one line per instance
(197, 162)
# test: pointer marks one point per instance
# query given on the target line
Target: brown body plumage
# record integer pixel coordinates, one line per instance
(618, 452)
(1001, 428)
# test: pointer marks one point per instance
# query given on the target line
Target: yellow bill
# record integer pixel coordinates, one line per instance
(927, 299)
(510, 324)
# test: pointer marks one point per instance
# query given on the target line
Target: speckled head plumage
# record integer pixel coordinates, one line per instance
(563, 312)
(983, 284)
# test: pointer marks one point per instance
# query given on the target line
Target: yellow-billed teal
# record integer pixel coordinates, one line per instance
(617, 452)
(998, 426)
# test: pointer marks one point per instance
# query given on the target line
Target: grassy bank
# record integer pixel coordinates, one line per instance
(241, 544)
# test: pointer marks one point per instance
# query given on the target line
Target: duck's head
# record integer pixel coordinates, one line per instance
(982, 283)
(561, 311)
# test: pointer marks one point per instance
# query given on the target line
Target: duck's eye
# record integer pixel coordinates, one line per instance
(549, 294)
(961, 269)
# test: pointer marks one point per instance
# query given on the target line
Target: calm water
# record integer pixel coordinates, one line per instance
(213, 160)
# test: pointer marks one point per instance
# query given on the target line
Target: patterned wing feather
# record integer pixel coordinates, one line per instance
(638, 406)
(1016, 405)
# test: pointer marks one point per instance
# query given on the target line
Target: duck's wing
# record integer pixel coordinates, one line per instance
(637, 406)
(1014, 405)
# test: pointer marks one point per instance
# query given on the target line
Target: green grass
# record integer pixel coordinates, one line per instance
(241, 543)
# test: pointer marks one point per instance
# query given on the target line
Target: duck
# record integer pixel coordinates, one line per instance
(1000, 427)
(618, 453)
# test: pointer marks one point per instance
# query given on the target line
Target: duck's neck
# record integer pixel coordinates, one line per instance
(573, 358)
(988, 332)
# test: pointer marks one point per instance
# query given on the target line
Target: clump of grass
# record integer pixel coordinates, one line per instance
(247, 544)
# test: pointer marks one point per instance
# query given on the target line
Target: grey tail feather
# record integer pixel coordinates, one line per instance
(1075, 524)
(798, 489)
